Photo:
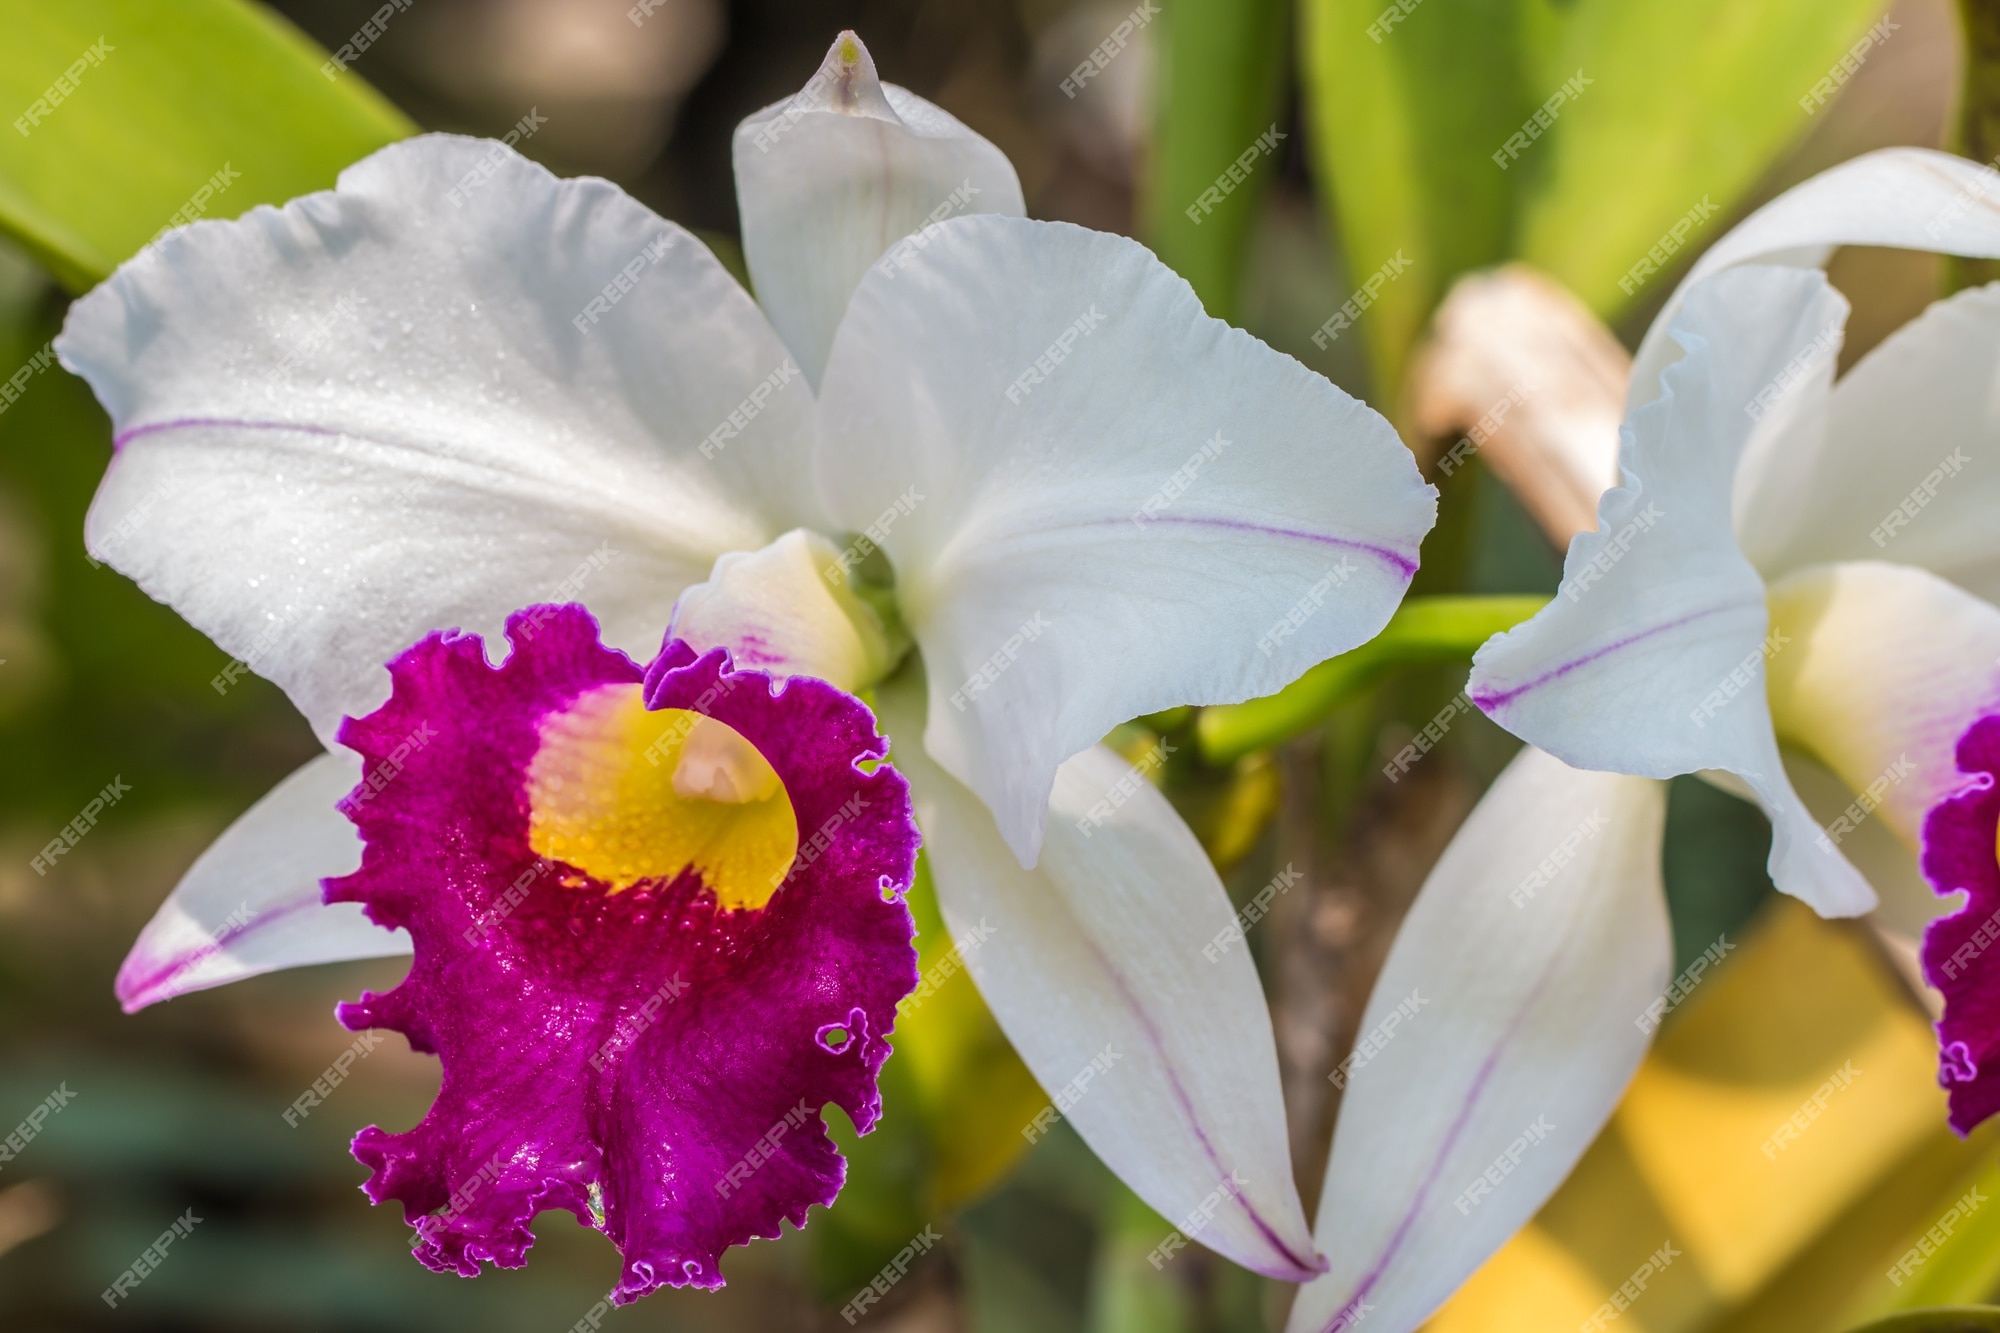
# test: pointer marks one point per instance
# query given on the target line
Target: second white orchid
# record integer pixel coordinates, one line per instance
(1792, 590)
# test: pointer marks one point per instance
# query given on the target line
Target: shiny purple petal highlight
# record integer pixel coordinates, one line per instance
(644, 1059)
(1960, 954)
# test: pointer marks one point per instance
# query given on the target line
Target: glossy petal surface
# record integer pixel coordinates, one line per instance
(788, 609)
(835, 175)
(640, 1056)
(1909, 198)
(1885, 667)
(1899, 465)
(251, 903)
(378, 412)
(1104, 971)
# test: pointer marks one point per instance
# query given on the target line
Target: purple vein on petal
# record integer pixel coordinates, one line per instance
(1342, 1317)
(1264, 1228)
(141, 991)
(1407, 565)
(122, 438)
(1488, 700)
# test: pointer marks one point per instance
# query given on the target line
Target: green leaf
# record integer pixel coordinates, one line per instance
(1402, 129)
(161, 113)
(1949, 1252)
(1424, 630)
(1943, 1319)
(121, 683)
(1221, 88)
(1689, 101)
(1134, 1288)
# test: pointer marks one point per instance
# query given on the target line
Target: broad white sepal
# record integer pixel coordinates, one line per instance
(1512, 1011)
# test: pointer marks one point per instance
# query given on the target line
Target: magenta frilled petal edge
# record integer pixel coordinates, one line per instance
(1962, 951)
(644, 1057)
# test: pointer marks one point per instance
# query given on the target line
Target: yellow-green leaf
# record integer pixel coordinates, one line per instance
(1690, 101)
(1403, 119)
(1221, 87)
(1957, 1319)
(133, 116)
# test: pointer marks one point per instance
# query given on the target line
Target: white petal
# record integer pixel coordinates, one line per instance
(1888, 667)
(1901, 467)
(1167, 512)
(1650, 662)
(251, 903)
(1097, 973)
(788, 609)
(830, 178)
(1509, 1017)
(370, 414)
(1908, 198)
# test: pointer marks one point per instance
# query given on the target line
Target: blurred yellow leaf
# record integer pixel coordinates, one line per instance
(1807, 1019)
(1804, 1026)
(973, 1092)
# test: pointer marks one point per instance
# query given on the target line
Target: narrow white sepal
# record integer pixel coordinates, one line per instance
(1515, 1005)
(1112, 970)
(251, 903)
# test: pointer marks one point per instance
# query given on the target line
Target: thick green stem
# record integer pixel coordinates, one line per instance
(1423, 630)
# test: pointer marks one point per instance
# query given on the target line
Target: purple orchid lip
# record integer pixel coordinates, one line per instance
(1962, 854)
(643, 1055)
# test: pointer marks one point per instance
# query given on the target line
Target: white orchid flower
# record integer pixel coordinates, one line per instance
(457, 385)
(1795, 581)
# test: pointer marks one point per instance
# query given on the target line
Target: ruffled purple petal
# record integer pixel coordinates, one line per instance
(1962, 951)
(643, 1058)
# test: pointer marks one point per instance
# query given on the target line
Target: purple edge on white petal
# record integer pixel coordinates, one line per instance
(1344, 1317)
(124, 437)
(136, 989)
(1489, 700)
(1407, 565)
(1301, 1270)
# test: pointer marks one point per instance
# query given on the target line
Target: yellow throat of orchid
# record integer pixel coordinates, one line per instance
(627, 795)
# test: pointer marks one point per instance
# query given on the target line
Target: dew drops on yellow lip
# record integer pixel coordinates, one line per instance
(626, 795)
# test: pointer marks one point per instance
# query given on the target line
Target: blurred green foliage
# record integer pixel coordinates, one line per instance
(1222, 86)
(1410, 104)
